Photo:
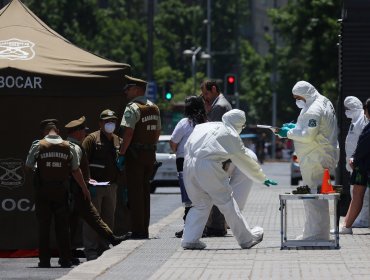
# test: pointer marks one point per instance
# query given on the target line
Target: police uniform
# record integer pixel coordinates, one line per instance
(143, 117)
(55, 159)
(82, 207)
(101, 154)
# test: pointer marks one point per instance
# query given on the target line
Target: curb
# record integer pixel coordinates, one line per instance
(92, 269)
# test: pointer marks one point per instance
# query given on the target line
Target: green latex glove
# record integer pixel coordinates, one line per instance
(289, 125)
(269, 182)
(120, 162)
(283, 131)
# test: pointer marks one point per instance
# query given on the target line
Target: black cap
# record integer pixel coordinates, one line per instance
(108, 114)
(48, 124)
(131, 81)
(79, 124)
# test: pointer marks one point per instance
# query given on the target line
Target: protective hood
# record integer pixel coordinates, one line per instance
(235, 120)
(352, 103)
(306, 90)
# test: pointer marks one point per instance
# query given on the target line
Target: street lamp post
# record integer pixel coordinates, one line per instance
(193, 55)
(194, 67)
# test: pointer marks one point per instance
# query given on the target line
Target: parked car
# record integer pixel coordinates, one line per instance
(166, 174)
(295, 170)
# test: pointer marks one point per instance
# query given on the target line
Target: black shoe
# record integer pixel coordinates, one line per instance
(179, 233)
(78, 253)
(44, 264)
(75, 261)
(118, 239)
(136, 235)
(211, 232)
(65, 263)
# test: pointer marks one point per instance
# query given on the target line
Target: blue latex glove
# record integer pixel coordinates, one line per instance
(120, 162)
(289, 125)
(283, 131)
(269, 182)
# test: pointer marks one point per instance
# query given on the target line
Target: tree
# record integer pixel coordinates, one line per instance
(102, 28)
(255, 84)
(309, 30)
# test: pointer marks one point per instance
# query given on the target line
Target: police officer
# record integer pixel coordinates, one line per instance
(55, 160)
(102, 147)
(141, 126)
(76, 131)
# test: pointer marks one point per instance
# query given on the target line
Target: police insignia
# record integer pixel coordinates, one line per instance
(128, 114)
(312, 123)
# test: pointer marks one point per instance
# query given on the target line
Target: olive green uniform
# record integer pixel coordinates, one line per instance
(55, 159)
(101, 154)
(143, 116)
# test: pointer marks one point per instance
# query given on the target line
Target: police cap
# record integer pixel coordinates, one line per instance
(48, 124)
(108, 114)
(79, 124)
(131, 81)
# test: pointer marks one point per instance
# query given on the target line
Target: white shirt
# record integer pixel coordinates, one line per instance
(181, 134)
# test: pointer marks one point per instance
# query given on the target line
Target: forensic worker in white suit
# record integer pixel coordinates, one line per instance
(355, 112)
(207, 183)
(240, 183)
(315, 141)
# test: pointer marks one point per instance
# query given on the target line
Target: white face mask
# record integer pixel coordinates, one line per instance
(349, 114)
(109, 127)
(300, 103)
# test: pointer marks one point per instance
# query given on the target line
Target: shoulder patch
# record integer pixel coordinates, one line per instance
(312, 123)
(128, 114)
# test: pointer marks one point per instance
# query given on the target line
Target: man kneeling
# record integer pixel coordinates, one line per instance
(207, 183)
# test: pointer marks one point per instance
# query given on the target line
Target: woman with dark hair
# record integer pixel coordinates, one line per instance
(194, 114)
(360, 178)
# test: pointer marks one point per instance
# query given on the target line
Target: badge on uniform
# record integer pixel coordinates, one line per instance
(312, 123)
(128, 114)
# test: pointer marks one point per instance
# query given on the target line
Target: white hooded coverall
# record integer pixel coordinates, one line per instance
(316, 145)
(356, 113)
(207, 183)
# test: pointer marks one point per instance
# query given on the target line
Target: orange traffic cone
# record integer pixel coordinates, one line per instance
(326, 186)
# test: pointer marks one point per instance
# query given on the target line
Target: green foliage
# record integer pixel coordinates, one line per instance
(309, 30)
(255, 83)
(117, 29)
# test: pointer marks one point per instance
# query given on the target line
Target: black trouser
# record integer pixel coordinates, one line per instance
(51, 201)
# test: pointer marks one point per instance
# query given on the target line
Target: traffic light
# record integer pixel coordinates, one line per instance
(230, 84)
(167, 91)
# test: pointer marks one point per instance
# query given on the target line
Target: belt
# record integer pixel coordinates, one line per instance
(146, 147)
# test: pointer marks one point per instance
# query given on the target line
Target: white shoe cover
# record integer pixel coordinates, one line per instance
(199, 245)
(342, 230)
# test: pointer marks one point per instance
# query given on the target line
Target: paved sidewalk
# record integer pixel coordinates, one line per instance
(161, 257)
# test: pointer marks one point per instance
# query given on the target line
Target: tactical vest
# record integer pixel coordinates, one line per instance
(102, 162)
(53, 162)
(146, 128)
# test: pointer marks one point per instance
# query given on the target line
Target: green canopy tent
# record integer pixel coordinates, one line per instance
(42, 75)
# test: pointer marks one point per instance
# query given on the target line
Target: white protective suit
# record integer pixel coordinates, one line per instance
(207, 183)
(316, 145)
(356, 113)
(240, 183)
